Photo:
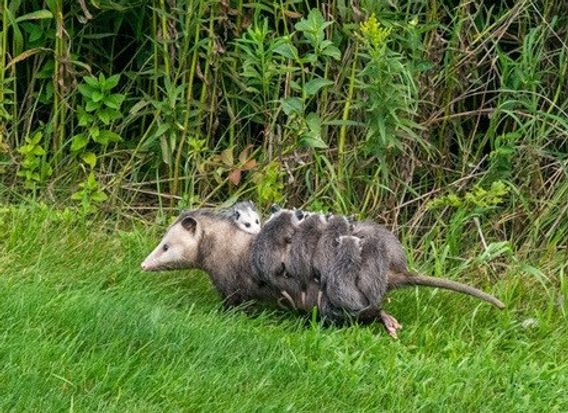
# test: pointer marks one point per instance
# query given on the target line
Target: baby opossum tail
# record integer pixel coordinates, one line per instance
(396, 280)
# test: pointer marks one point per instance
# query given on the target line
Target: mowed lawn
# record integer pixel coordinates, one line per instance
(82, 329)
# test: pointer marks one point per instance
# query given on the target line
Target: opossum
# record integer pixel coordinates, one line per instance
(207, 240)
(245, 216)
(325, 254)
(339, 280)
(271, 248)
(303, 245)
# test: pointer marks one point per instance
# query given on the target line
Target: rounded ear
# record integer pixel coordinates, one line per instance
(299, 214)
(189, 224)
(275, 208)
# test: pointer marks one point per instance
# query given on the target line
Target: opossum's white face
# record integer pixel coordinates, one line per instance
(247, 220)
(178, 248)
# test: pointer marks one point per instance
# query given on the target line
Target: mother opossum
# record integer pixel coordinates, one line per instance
(211, 241)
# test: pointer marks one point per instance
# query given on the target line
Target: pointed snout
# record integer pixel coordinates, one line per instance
(146, 265)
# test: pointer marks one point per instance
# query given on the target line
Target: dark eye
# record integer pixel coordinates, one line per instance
(247, 224)
(288, 240)
(165, 247)
(256, 221)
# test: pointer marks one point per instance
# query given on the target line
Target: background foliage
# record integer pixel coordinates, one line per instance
(447, 120)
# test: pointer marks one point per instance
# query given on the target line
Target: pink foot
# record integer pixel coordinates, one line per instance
(391, 323)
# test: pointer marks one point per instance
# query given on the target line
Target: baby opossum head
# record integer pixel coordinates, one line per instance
(276, 210)
(271, 247)
(246, 217)
(179, 246)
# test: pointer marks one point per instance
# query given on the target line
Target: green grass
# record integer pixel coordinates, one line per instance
(82, 329)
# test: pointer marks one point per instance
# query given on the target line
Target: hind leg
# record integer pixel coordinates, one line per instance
(391, 324)
(374, 314)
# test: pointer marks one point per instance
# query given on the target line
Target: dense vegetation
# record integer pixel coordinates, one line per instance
(439, 118)
(446, 120)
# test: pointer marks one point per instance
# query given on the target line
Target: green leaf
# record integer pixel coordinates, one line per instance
(292, 105)
(312, 142)
(107, 115)
(138, 106)
(92, 106)
(287, 50)
(89, 158)
(38, 151)
(35, 15)
(97, 96)
(78, 142)
(86, 90)
(106, 136)
(35, 32)
(84, 118)
(36, 138)
(94, 132)
(77, 196)
(26, 149)
(114, 101)
(111, 82)
(92, 82)
(162, 128)
(99, 196)
(313, 138)
(314, 123)
(166, 152)
(332, 51)
(91, 182)
(313, 86)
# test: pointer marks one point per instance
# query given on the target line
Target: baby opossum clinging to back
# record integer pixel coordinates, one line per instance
(270, 250)
(245, 216)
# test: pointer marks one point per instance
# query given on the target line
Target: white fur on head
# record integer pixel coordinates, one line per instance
(177, 249)
(246, 218)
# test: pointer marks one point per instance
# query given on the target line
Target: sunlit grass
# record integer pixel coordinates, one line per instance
(81, 328)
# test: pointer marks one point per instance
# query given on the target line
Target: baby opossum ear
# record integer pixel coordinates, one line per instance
(189, 224)
(299, 214)
(275, 208)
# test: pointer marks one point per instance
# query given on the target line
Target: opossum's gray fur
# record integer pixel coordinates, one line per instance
(393, 249)
(324, 256)
(341, 289)
(304, 244)
(270, 250)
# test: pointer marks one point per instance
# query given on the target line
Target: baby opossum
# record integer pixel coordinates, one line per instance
(342, 295)
(303, 245)
(325, 254)
(208, 240)
(271, 248)
(245, 216)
